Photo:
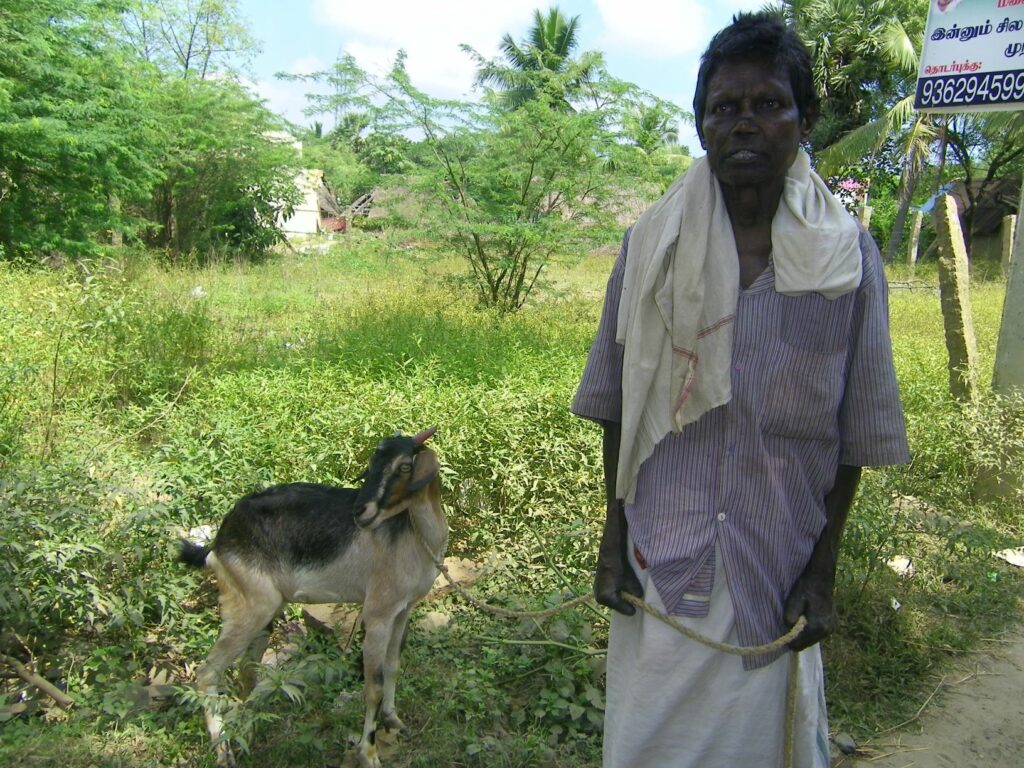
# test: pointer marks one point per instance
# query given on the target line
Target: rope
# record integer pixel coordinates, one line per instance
(504, 613)
(789, 736)
(736, 650)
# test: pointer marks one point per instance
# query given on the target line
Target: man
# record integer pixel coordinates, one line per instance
(743, 375)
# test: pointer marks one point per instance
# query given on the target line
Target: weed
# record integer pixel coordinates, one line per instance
(138, 401)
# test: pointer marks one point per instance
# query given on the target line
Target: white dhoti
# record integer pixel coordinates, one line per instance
(674, 703)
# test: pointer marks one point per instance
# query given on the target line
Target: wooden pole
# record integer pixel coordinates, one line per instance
(62, 699)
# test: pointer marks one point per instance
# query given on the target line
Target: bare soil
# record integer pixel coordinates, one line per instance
(974, 718)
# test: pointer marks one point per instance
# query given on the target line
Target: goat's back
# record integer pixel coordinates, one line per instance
(289, 526)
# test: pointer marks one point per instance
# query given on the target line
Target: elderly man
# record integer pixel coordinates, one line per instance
(743, 375)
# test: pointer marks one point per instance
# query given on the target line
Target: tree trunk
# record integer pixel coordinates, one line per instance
(908, 182)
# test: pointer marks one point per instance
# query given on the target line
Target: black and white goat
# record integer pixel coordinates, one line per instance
(310, 543)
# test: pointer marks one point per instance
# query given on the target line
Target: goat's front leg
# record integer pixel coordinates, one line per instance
(376, 640)
(388, 716)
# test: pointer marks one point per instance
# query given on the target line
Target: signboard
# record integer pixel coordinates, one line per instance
(973, 57)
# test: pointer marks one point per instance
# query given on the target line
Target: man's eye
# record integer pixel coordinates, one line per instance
(720, 108)
(771, 103)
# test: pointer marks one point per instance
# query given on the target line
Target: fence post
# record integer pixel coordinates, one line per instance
(1008, 376)
(954, 286)
(915, 239)
(1009, 230)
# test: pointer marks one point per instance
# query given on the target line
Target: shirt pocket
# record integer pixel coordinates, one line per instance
(804, 389)
(803, 395)
(815, 324)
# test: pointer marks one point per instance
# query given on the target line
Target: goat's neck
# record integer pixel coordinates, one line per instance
(429, 523)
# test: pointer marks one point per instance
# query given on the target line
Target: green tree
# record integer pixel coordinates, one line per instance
(227, 173)
(865, 66)
(986, 148)
(76, 136)
(195, 38)
(510, 189)
(862, 57)
(538, 63)
(226, 176)
(353, 155)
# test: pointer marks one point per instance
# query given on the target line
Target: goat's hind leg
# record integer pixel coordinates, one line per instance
(252, 660)
(243, 626)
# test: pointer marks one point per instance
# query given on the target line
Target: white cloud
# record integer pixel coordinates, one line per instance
(288, 99)
(656, 29)
(740, 5)
(429, 32)
(306, 65)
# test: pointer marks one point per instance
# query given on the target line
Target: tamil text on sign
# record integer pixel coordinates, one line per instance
(973, 56)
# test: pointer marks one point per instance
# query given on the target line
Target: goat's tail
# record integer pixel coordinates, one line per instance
(193, 554)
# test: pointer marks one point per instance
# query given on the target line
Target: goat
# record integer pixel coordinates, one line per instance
(309, 543)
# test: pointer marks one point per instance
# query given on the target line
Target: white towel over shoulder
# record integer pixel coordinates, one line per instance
(680, 291)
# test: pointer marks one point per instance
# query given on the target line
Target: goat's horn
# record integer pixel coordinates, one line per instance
(425, 435)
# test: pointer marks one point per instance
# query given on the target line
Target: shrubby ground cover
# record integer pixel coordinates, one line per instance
(138, 401)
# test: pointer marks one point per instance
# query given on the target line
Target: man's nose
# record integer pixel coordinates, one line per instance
(745, 119)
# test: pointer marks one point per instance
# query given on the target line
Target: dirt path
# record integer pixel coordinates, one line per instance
(976, 718)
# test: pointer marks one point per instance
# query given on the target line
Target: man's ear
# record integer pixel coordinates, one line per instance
(807, 122)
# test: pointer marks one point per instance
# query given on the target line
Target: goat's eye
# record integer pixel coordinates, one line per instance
(405, 469)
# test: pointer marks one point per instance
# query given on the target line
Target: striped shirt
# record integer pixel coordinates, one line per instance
(813, 386)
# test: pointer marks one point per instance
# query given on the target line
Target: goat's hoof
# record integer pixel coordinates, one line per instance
(225, 757)
(391, 723)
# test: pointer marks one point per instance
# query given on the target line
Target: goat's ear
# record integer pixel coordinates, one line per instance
(420, 483)
(424, 473)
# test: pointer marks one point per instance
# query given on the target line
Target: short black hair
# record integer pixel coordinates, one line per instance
(762, 36)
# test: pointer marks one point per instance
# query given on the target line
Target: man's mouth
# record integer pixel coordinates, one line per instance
(744, 155)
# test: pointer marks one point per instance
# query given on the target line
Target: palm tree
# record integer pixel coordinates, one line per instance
(546, 49)
(865, 65)
(652, 126)
(913, 133)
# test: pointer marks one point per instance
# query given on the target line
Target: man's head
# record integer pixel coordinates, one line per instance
(759, 37)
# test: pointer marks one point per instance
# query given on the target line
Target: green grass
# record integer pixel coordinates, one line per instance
(137, 401)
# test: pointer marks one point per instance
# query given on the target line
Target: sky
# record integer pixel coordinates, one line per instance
(655, 44)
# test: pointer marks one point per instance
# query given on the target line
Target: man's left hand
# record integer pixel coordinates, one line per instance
(811, 597)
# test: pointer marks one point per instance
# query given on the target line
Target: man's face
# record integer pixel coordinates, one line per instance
(752, 127)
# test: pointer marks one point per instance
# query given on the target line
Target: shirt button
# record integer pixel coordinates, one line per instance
(721, 517)
(738, 367)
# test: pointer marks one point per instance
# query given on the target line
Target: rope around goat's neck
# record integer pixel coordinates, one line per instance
(778, 644)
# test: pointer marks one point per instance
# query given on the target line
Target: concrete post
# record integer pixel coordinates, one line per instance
(1009, 228)
(864, 215)
(1001, 481)
(1008, 375)
(954, 286)
(915, 239)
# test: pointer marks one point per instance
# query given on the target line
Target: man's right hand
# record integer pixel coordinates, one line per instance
(614, 575)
